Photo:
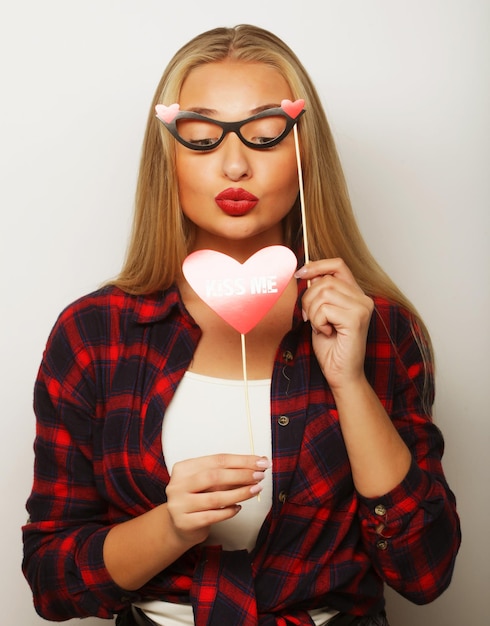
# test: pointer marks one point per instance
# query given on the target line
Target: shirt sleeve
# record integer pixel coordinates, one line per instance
(412, 534)
(64, 537)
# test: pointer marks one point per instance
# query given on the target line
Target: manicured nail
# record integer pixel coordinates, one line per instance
(258, 475)
(265, 463)
(301, 272)
(256, 488)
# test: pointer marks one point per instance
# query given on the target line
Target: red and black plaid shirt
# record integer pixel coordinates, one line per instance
(111, 367)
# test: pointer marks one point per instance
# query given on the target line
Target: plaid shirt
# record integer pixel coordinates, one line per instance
(111, 367)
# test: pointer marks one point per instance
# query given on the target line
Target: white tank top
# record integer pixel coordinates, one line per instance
(208, 416)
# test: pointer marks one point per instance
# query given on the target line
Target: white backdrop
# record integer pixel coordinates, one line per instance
(406, 86)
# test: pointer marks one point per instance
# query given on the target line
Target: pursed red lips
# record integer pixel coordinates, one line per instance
(236, 201)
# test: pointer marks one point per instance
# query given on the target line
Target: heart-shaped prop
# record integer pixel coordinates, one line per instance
(167, 114)
(240, 293)
(293, 109)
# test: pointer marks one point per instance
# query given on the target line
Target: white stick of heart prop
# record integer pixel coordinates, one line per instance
(293, 109)
(242, 294)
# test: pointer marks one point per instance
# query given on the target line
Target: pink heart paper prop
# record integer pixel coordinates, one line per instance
(167, 114)
(293, 109)
(239, 293)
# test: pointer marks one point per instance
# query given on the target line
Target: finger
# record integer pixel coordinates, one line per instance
(334, 267)
(187, 512)
(231, 461)
(342, 313)
(329, 319)
(192, 521)
(218, 479)
(222, 499)
(205, 519)
(330, 291)
(333, 290)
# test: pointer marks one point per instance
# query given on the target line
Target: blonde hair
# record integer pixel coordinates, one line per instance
(161, 236)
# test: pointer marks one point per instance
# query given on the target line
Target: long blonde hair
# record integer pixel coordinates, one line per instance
(161, 236)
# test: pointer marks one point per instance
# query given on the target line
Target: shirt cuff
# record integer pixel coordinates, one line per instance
(101, 590)
(388, 515)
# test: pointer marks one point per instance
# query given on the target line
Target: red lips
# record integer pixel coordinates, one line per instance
(235, 201)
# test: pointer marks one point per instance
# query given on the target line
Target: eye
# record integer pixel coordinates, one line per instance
(203, 142)
(264, 130)
(200, 133)
(262, 140)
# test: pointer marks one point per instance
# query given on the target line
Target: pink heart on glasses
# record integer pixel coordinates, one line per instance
(167, 114)
(240, 293)
(293, 109)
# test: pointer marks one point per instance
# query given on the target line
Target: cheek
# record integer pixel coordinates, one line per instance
(287, 175)
(286, 165)
(182, 168)
(191, 175)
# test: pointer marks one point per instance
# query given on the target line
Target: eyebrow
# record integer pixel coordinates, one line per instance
(212, 112)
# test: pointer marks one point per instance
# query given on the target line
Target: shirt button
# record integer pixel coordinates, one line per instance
(382, 544)
(287, 355)
(380, 510)
(282, 497)
(283, 420)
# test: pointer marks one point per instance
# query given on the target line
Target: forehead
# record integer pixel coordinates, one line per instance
(233, 89)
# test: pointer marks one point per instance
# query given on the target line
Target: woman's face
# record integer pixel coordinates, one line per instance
(230, 91)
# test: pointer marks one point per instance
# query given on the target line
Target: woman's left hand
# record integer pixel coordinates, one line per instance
(339, 313)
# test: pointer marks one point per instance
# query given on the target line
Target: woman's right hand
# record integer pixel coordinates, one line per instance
(207, 490)
(201, 492)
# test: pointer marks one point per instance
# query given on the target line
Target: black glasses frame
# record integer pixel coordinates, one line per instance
(231, 127)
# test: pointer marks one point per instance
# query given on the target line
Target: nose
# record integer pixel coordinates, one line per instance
(235, 158)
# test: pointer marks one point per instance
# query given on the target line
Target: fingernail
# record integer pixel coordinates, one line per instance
(258, 475)
(301, 272)
(305, 317)
(256, 488)
(265, 463)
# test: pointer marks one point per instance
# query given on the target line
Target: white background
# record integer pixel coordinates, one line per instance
(406, 86)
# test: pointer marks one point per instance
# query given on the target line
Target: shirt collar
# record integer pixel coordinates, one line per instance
(157, 306)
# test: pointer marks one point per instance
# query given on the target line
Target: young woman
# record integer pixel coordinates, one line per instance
(147, 501)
